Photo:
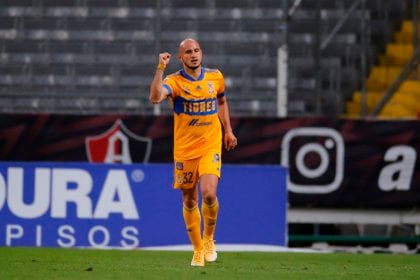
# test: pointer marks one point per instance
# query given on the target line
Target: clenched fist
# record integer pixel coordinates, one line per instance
(164, 58)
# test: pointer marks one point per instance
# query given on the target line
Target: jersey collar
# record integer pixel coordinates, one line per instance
(188, 77)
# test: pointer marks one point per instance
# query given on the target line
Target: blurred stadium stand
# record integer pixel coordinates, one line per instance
(397, 68)
(94, 56)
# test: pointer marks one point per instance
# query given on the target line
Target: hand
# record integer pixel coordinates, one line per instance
(164, 58)
(230, 141)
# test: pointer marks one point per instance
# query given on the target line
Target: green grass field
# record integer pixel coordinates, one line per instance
(47, 263)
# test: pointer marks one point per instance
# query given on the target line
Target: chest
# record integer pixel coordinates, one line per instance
(197, 89)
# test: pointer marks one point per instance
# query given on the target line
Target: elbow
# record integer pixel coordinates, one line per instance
(154, 98)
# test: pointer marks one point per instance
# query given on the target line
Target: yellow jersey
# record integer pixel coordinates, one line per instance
(197, 128)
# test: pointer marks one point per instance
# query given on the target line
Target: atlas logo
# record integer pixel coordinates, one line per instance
(118, 145)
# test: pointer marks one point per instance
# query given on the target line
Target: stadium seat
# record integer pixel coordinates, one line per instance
(109, 48)
(405, 102)
(397, 54)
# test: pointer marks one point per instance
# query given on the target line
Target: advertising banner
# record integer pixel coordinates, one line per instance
(132, 205)
(333, 163)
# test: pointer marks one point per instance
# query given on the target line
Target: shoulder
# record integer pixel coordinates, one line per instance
(214, 71)
(173, 75)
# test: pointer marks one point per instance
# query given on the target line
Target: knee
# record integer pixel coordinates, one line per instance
(209, 188)
(190, 202)
(209, 195)
(190, 199)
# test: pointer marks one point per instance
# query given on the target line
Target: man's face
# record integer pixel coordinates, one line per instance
(190, 54)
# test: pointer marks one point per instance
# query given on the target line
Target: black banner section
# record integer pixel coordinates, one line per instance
(337, 163)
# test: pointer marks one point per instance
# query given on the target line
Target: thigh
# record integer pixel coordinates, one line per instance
(208, 186)
(186, 174)
(209, 172)
(210, 163)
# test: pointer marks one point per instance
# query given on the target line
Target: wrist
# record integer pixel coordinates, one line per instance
(161, 66)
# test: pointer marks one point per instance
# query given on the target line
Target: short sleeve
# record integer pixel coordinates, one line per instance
(170, 85)
(221, 82)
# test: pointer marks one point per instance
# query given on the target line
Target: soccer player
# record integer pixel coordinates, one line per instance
(197, 96)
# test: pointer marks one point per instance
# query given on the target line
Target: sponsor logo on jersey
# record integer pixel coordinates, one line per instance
(196, 122)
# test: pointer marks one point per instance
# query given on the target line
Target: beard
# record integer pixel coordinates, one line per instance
(193, 67)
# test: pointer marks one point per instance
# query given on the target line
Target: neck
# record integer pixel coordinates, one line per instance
(195, 73)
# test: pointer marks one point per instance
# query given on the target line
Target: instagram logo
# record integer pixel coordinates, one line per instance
(315, 158)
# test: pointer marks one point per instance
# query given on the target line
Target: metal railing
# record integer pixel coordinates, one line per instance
(408, 68)
(368, 52)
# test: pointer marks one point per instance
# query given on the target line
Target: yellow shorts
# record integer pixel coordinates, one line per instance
(187, 172)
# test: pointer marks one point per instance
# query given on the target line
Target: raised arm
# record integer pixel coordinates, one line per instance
(157, 92)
